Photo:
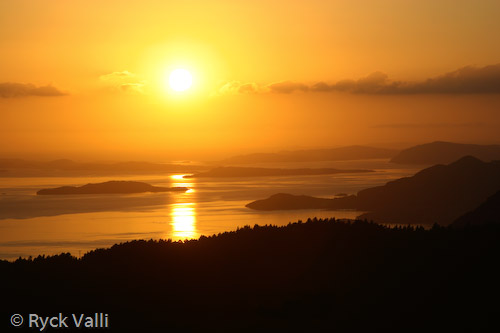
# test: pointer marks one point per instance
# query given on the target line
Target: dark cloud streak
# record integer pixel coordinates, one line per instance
(432, 125)
(287, 87)
(466, 80)
(12, 90)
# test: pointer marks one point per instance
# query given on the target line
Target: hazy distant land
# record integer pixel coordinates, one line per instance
(66, 168)
(440, 152)
(439, 194)
(111, 187)
(263, 172)
(310, 155)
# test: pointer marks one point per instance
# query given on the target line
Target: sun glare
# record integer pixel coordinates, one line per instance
(183, 220)
(180, 80)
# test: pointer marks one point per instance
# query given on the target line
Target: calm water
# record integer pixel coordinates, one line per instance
(32, 225)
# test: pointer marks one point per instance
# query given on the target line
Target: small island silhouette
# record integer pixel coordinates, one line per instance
(110, 187)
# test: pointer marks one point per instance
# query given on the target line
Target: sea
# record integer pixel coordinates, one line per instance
(32, 225)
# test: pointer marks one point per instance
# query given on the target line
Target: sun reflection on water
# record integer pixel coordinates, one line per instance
(177, 177)
(179, 181)
(183, 214)
(183, 221)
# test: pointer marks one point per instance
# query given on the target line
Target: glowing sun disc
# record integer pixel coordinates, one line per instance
(180, 79)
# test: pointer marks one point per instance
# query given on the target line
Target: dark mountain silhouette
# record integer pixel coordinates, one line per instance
(487, 213)
(316, 276)
(440, 152)
(263, 172)
(331, 154)
(439, 194)
(65, 167)
(111, 187)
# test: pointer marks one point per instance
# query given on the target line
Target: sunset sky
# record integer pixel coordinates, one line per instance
(89, 79)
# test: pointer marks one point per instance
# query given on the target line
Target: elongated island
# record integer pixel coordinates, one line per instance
(110, 187)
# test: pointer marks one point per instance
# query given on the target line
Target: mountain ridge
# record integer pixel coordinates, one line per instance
(355, 152)
(486, 213)
(442, 152)
(438, 194)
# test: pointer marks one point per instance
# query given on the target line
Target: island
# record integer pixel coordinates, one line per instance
(222, 172)
(110, 187)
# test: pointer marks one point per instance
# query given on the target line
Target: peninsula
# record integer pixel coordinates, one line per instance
(438, 194)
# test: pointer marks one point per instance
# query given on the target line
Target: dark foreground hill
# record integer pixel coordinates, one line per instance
(440, 152)
(225, 172)
(318, 276)
(487, 213)
(439, 194)
(111, 187)
(310, 155)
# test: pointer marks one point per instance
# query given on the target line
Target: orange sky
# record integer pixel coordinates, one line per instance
(102, 68)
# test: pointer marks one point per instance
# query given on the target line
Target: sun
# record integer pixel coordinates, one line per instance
(180, 79)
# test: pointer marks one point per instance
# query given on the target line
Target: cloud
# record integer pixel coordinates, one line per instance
(123, 81)
(136, 87)
(287, 87)
(233, 87)
(466, 80)
(117, 76)
(237, 87)
(248, 88)
(432, 125)
(12, 89)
